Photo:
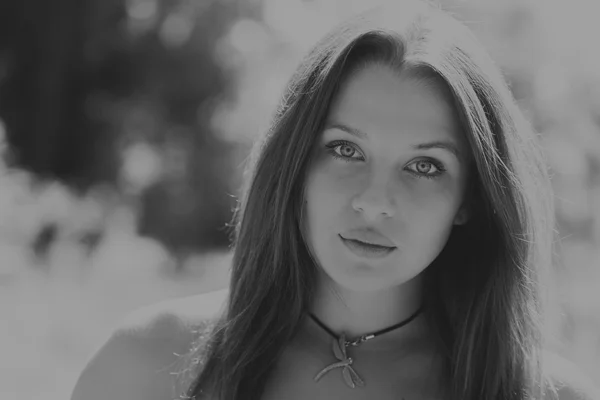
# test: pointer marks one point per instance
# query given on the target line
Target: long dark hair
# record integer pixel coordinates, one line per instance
(483, 295)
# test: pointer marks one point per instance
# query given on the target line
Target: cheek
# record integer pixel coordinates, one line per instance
(330, 186)
(328, 198)
(429, 210)
(321, 201)
(441, 196)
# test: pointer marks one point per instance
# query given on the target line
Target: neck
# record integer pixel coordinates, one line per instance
(357, 313)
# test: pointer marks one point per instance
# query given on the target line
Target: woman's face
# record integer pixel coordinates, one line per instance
(388, 169)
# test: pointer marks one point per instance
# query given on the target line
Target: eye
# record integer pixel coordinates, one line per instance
(344, 151)
(426, 168)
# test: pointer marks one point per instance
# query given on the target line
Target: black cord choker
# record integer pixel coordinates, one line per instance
(340, 343)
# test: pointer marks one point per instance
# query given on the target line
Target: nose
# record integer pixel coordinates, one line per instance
(375, 202)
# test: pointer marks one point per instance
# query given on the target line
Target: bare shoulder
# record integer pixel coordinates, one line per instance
(140, 358)
(570, 382)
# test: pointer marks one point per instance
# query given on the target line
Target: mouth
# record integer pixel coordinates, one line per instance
(366, 250)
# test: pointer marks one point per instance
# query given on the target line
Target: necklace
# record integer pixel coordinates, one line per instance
(339, 345)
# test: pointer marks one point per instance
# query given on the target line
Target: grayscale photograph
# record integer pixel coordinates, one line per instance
(299, 200)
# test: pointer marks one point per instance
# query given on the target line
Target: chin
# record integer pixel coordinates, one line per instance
(366, 277)
(361, 278)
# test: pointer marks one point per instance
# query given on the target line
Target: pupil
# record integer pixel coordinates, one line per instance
(423, 166)
(347, 150)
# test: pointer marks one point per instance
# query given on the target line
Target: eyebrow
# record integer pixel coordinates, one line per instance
(436, 144)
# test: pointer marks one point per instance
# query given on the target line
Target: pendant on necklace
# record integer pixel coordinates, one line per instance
(339, 351)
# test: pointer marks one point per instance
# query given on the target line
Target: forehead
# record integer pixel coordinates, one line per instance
(377, 98)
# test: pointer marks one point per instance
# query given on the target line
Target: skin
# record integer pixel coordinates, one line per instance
(382, 180)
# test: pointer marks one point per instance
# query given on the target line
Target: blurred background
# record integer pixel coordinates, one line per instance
(124, 125)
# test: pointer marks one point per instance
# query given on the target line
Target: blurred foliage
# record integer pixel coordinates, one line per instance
(122, 93)
(59, 61)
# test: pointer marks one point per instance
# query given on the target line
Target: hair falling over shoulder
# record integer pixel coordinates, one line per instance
(485, 299)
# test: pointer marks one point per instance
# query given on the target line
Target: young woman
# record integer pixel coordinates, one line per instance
(390, 243)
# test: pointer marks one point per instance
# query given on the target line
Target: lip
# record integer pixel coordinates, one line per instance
(365, 250)
(368, 236)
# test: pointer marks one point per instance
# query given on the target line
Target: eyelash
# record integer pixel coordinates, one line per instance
(333, 145)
